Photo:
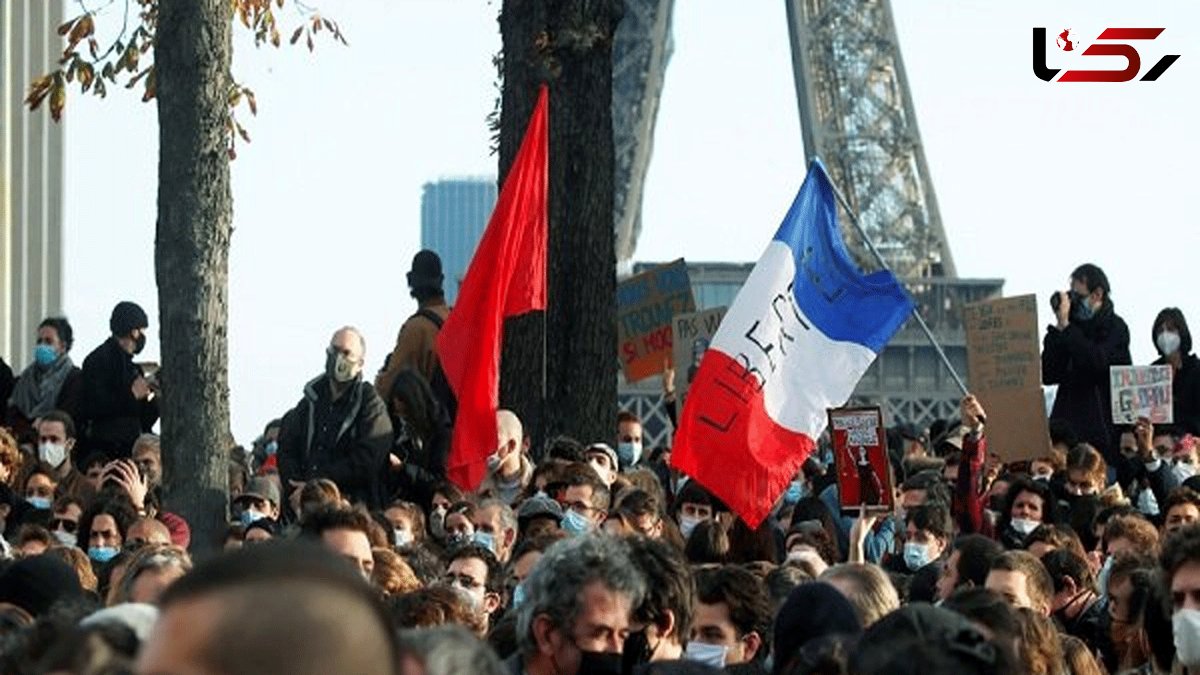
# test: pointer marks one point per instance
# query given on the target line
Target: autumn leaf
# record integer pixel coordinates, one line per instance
(297, 34)
(251, 100)
(58, 98)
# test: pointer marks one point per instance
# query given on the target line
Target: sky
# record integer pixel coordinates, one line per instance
(1032, 178)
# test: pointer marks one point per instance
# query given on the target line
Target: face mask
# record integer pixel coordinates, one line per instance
(602, 472)
(687, 524)
(401, 538)
(518, 596)
(599, 663)
(65, 538)
(44, 355)
(636, 651)
(1183, 471)
(1043, 477)
(493, 462)
(1102, 578)
(139, 343)
(457, 538)
(486, 540)
(1081, 308)
(249, 516)
(339, 367)
(437, 522)
(709, 655)
(796, 491)
(1024, 527)
(39, 503)
(575, 523)
(629, 453)
(1185, 624)
(1147, 503)
(1167, 342)
(272, 448)
(53, 454)
(916, 555)
(103, 554)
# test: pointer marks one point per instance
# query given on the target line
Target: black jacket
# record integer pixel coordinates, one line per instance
(112, 417)
(358, 460)
(1077, 360)
(1185, 394)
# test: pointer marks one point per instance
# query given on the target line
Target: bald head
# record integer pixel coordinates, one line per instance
(148, 531)
(508, 429)
(348, 337)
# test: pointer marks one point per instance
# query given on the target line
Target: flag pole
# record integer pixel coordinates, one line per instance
(882, 263)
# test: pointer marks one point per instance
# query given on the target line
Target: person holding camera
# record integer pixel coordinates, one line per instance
(1086, 338)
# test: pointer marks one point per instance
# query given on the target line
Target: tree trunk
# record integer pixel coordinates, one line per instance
(568, 44)
(191, 257)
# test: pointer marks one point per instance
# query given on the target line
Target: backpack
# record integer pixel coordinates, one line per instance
(437, 380)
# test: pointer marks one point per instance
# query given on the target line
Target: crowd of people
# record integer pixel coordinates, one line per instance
(349, 551)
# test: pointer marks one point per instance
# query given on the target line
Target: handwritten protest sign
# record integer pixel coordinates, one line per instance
(692, 334)
(1005, 368)
(860, 454)
(646, 304)
(1141, 391)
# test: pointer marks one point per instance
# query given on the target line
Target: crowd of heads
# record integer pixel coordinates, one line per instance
(348, 548)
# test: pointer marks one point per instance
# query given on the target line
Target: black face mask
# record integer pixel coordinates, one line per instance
(599, 663)
(140, 343)
(637, 651)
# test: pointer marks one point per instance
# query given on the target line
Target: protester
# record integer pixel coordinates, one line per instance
(340, 429)
(509, 469)
(51, 382)
(1087, 338)
(118, 399)
(421, 437)
(345, 532)
(1022, 580)
(1173, 341)
(415, 342)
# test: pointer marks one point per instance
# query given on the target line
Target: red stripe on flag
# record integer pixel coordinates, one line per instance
(728, 443)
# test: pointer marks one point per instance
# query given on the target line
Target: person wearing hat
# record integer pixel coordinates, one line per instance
(602, 458)
(415, 343)
(258, 501)
(118, 401)
(539, 515)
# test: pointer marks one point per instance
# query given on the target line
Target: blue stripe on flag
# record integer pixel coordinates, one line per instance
(833, 293)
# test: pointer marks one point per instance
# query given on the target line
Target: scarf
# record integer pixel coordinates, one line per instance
(37, 390)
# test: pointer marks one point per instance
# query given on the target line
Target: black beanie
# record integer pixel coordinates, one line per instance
(34, 584)
(127, 316)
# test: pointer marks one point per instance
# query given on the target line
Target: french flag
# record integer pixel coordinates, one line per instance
(797, 339)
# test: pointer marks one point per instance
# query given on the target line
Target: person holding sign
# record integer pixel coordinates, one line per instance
(1173, 341)
(1077, 351)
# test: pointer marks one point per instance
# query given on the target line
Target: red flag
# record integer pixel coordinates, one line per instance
(507, 277)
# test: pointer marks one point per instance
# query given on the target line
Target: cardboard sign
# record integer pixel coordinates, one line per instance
(1005, 366)
(692, 334)
(646, 304)
(1141, 391)
(864, 474)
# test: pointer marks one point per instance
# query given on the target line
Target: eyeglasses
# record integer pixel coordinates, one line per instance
(579, 507)
(68, 526)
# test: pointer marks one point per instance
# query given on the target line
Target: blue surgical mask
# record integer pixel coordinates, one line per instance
(103, 554)
(709, 655)
(272, 447)
(44, 355)
(916, 555)
(574, 522)
(796, 491)
(39, 503)
(518, 596)
(1081, 308)
(249, 516)
(486, 540)
(629, 453)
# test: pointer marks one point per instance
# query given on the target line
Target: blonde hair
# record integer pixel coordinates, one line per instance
(871, 591)
(10, 455)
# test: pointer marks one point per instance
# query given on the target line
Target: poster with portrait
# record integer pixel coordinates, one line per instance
(864, 473)
(693, 332)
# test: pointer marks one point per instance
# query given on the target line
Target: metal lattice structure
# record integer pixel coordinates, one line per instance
(857, 115)
(641, 49)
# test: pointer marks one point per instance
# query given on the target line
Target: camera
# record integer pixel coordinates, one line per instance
(1055, 300)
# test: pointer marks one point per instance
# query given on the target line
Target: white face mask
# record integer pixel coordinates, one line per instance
(1183, 471)
(709, 655)
(1185, 624)
(53, 454)
(65, 538)
(1024, 527)
(401, 538)
(687, 524)
(1167, 342)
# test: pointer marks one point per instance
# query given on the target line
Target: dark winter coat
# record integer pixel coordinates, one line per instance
(113, 417)
(1077, 359)
(1185, 394)
(358, 434)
